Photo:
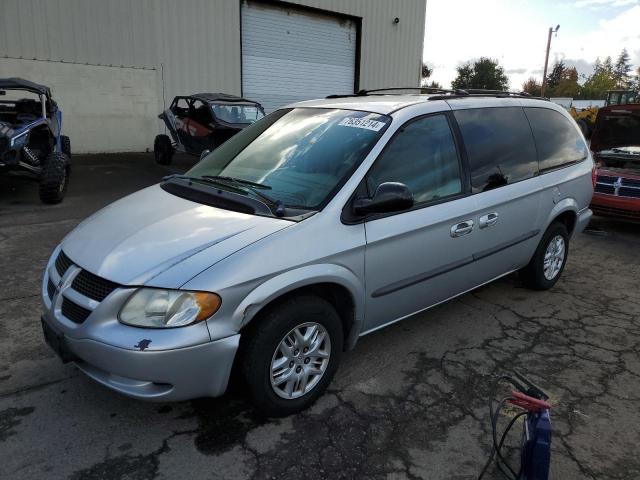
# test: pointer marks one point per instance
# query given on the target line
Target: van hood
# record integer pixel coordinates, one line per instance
(157, 239)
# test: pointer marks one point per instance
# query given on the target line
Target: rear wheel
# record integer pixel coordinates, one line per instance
(54, 178)
(163, 150)
(292, 355)
(66, 146)
(547, 264)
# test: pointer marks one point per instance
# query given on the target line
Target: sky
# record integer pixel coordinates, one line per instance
(515, 33)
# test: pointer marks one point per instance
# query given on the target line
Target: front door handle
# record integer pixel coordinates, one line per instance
(488, 220)
(462, 228)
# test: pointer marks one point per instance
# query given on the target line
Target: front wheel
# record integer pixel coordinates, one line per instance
(54, 178)
(292, 355)
(547, 264)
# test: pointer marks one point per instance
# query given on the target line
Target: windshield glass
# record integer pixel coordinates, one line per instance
(302, 155)
(237, 113)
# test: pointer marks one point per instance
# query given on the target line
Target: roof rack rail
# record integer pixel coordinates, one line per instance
(363, 93)
(442, 93)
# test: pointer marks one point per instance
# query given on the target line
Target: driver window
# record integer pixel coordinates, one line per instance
(423, 156)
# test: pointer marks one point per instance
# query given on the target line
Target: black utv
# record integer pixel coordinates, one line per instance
(202, 122)
(30, 139)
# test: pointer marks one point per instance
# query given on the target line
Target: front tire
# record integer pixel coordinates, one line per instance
(163, 150)
(66, 145)
(54, 178)
(292, 354)
(547, 264)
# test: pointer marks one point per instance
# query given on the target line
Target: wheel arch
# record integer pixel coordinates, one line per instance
(566, 212)
(335, 284)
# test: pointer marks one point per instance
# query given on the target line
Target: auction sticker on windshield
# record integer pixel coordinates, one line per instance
(362, 123)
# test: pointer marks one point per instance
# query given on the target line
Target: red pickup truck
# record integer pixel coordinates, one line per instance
(615, 144)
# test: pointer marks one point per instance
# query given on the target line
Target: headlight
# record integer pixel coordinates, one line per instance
(156, 308)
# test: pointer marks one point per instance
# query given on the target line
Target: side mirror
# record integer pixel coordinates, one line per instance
(205, 153)
(388, 197)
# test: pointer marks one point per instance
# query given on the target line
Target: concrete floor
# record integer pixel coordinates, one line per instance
(408, 402)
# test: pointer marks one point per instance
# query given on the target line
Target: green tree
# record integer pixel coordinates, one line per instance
(553, 79)
(602, 79)
(426, 72)
(532, 87)
(484, 73)
(568, 85)
(622, 68)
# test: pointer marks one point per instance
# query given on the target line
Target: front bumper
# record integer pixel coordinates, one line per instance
(625, 208)
(156, 375)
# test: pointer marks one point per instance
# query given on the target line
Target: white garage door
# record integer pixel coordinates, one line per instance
(290, 55)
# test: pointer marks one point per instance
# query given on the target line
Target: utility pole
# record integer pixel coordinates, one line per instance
(546, 58)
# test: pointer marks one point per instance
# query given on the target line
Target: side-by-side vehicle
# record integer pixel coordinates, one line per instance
(30, 140)
(202, 122)
(320, 223)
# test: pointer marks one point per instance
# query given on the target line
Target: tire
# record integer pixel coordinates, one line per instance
(54, 179)
(163, 150)
(66, 146)
(534, 275)
(263, 349)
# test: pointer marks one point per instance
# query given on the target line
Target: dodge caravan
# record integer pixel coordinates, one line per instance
(316, 225)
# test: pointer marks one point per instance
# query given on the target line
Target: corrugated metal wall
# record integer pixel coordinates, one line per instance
(193, 45)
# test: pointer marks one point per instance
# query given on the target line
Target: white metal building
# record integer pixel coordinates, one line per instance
(113, 64)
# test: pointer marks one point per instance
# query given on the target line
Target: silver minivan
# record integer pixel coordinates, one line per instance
(318, 224)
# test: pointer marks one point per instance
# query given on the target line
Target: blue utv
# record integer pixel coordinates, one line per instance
(30, 139)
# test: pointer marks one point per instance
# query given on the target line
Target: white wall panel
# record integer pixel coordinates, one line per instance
(104, 109)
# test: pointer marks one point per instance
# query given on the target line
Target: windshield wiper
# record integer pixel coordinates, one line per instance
(238, 180)
(229, 182)
(254, 187)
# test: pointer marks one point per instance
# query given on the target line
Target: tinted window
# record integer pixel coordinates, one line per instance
(423, 156)
(556, 137)
(499, 146)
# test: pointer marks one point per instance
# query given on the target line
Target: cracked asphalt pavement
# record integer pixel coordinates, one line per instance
(408, 402)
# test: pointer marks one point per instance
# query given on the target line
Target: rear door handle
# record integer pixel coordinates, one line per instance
(462, 228)
(488, 220)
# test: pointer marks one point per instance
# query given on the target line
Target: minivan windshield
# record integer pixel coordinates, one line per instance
(297, 157)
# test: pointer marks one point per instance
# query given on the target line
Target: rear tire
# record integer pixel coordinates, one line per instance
(306, 315)
(66, 146)
(54, 178)
(163, 150)
(547, 264)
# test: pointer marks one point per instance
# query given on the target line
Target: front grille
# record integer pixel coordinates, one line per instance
(73, 311)
(51, 289)
(63, 263)
(609, 189)
(629, 192)
(630, 182)
(606, 179)
(92, 286)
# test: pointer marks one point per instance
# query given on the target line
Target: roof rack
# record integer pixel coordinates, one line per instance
(442, 93)
(363, 93)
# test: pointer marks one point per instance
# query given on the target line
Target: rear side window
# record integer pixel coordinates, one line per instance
(499, 145)
(557, 139)
(423, 156)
